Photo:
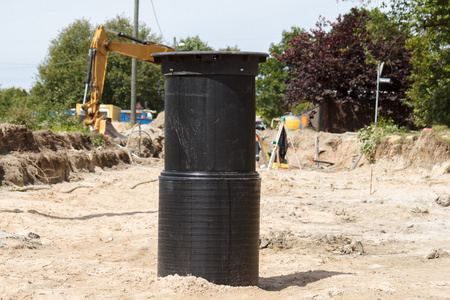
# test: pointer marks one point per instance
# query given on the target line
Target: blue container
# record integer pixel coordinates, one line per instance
(124, 117)
(144, 121)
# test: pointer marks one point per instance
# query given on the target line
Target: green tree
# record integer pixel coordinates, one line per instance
(10, 98)
(117, 88)
(230, 48)
(16, 107)
(270, 83)
(60, 77)
(428, 23)
(339, 66)
(60, 81)
(194, 44)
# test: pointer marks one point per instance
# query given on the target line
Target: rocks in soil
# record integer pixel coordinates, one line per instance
(419, 210)
(33, 235)
(332, 239)
(443, 200)
(355, 247)
(277, 240)
(431, 254)
(18, 241)
(341, 244)
(436, 253)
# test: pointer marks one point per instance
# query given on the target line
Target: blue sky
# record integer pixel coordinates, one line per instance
(28, 26)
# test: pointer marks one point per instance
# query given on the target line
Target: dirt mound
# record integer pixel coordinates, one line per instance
(333, 148)
(16, 138)
(49, 140)
(148, 142)
(148, 147)
(19, 138)
(121, 126)
(45, 157)
(159, 121)
(425, 152)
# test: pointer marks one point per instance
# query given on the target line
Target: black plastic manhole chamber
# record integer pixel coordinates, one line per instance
(209, 191)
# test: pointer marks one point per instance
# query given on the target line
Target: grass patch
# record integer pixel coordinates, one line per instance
(98, 140)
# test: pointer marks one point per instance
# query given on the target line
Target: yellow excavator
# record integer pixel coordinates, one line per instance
(98, 58)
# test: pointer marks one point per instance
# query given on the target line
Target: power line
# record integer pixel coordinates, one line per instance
(156, 18)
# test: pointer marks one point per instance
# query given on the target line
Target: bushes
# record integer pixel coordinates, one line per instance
(57, 121)
(372, 134)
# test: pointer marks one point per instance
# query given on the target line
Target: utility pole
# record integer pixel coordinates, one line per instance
(134, 65)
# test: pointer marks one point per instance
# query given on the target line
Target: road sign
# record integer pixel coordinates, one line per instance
(385, 80)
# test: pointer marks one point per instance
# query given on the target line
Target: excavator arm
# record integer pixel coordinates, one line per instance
(98, 58)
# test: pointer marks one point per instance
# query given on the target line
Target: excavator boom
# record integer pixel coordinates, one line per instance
(98, 58)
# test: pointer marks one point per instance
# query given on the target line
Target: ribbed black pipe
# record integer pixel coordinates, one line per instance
(209, 193)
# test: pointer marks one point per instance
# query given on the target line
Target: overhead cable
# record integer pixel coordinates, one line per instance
(156, 18)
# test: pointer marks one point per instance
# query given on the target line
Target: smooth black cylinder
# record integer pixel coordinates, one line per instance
(209, 192)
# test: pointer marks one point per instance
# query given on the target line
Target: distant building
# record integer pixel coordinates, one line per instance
(339, 117)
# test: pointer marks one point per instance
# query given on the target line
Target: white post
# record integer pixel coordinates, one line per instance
(380, 69)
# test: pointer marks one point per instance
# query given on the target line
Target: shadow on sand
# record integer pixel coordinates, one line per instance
(301, 279)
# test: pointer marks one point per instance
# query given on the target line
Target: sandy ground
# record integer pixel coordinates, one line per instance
(327, 237)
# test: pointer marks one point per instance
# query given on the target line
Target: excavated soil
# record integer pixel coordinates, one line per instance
(85, 226)
(45, 157)
(423, 152)
(414, 152)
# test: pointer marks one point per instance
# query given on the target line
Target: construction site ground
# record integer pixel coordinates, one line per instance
(81, 222)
